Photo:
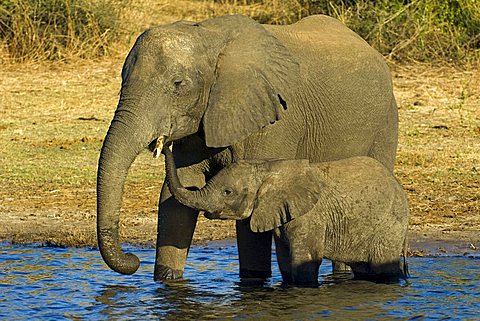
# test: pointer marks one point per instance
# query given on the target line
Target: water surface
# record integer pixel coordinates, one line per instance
(74, 284)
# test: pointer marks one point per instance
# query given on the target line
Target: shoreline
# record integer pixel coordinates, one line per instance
(421, 242)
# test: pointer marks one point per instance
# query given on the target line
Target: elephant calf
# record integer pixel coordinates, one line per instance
(351, 210)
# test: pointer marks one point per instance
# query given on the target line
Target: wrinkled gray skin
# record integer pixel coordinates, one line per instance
(227, 89)
(352, 211)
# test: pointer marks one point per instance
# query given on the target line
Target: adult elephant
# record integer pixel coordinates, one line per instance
(229, 88)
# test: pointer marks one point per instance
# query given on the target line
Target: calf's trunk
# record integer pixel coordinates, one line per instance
(194, 199)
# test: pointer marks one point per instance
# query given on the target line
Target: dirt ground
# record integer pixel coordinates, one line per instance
(53, 118)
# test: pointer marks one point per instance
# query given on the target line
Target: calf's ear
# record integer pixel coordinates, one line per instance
(285, 195)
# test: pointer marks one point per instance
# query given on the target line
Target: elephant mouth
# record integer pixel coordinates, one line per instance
(219, 216)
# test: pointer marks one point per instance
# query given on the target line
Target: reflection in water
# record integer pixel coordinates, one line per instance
(182, 301)
(52, 283)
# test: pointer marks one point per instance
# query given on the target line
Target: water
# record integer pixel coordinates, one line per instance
(45, 283)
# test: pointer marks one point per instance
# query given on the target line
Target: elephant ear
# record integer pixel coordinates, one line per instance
(284, 196)
(254, 80)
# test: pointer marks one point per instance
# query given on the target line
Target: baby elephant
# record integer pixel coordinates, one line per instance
(352, 211)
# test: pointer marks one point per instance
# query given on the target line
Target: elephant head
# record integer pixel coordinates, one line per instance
(222, 79)
(271, 193)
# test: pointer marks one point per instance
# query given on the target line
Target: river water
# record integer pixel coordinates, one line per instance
(46, 283)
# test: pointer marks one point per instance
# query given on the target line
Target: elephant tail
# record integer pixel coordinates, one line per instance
(406, 274)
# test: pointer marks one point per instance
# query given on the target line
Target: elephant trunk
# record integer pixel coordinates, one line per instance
(119, 150)
(194, 199)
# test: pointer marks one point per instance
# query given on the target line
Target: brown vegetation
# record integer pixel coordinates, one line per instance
(402, 30)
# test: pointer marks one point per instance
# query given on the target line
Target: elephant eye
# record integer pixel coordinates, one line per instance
(227, 192)
(180, 85)
(177, 83)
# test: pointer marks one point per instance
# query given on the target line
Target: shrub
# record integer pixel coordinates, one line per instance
(58, 29)
(424, 30)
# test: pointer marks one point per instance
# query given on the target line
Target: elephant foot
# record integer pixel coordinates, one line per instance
(252, 278)
(163, 272)
(385, 278)
(253, 274)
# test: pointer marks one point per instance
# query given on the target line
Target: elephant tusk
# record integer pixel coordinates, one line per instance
(158, 147)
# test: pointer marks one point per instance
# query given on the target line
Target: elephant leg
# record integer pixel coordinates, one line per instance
(385, 262)
(254, 252)
(306, 242)
(340, 268)
(306, 273)
(297, 267)
(176, 225)
(387, 272)
(284, 257)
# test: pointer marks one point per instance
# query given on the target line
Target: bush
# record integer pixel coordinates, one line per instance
(423, 30)
(58, 29)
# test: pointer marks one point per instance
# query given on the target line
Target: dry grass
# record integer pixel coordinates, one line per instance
(32, 30)
(439, 151)
(54, 117)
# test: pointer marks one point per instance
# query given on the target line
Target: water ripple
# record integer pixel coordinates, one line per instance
(64, 284)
